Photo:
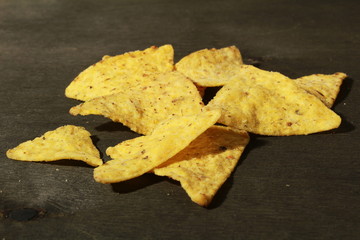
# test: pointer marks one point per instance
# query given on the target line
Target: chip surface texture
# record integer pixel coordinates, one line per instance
(204, 165)
(66, 142)
(142, 107)
(323, 86)
(268, 103)
(120, 72)
(211, 67)
(137, 156)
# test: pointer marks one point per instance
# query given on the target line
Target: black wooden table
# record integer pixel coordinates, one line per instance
(298, 187)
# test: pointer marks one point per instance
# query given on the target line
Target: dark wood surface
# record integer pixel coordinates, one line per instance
(299, 187)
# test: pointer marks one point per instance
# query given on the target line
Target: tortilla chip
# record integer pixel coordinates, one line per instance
(137, 156)
(204, 165)
(268, 103)
(142, 107)
(323, 86)
(211, 67)
(66, 142)
(113, 74)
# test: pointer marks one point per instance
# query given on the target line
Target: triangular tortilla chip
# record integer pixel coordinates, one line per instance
(211, 67)
(141, 108)
(66, 142)
(113, 74)
(137, 156)
(323, 86)
(268, 103)
(204, 165)
(215, 67)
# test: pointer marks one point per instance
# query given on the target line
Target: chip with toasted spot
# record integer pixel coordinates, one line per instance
(268, 103)
(137, 156)
(323, 86)
(142, 107)
(211, 67)
(113, 74)
(66, 142)
(204, 165)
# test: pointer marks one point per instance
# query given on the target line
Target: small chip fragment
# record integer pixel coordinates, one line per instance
(211, 67)
(204, 165)
(113, 74)
(142, 107)
(323, 86)
(268, 103)
(66, 142)
(137, 156)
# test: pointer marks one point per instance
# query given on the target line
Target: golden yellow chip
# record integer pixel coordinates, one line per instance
(211, 67)
(204, 165)
(66, 142)
(137, 156)
(268, 103)
(141, 108)
(323, 86)
(113, 74)
(216, 67)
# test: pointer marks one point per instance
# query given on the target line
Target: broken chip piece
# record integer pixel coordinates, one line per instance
(66, 142)
(142, 107)
(323, 86)
(268, 103)
(113, 74)
(204, 165)
(137, 156)
(211, 67)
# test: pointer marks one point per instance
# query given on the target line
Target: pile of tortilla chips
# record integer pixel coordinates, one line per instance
(147, 92)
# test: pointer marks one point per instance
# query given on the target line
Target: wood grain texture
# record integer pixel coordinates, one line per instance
(301, 187)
